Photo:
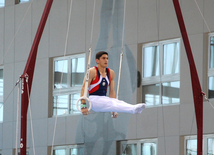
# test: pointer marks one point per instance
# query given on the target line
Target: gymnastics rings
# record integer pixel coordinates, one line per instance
(85, 98)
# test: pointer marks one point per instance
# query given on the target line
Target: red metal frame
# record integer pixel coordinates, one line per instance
(27, 77)
(196, 87)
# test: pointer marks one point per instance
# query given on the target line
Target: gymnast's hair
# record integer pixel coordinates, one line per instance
(99, 54)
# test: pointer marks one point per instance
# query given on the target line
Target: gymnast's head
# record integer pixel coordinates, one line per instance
(102, 58)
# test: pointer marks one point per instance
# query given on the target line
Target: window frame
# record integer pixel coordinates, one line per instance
(160, 79)
(2, 100)
(138, 143)
(210, 71)
(205, 142)
(69, 147)
(70, 89)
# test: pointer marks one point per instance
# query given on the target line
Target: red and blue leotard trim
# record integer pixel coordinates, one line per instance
(100, 84)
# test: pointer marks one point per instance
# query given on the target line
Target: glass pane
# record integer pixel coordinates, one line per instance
(1, 95)
(211, 65)
(78, 71)
(148, 149)
(60, 74)
(24, 1)
(74, 98)
(60, 105)
(151, 61)
(191, 147)
(171, 59)
(77, 151)
(170, 92)
(211, 87)
(2, 3)
(210, 146)
(129, 149)
(151, 94)
(59, 152)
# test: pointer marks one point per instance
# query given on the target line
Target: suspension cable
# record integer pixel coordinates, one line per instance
(65, 51)
(206, 99)
(202, 16)
(121, 55)
(88, 65)
(16, 32)
(92, 25)
(17, 116)
(9, 94)
(31, 123)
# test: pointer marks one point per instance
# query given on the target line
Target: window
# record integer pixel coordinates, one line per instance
(22, 1)
(68, 76)
(69, 150)
(141, 147)
(161, 72)
(191, 145)
(2, 3)
(211, 66)
(1, 94)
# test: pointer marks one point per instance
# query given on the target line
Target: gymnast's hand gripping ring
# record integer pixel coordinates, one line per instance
(85, 98)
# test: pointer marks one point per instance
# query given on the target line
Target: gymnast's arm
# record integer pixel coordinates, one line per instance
(112, 91)
(92, 74)
(111, 86)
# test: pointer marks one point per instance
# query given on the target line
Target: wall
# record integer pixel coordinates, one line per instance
(146, 21)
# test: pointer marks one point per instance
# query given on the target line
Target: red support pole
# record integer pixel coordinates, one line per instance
(27, 77)
(196, 87)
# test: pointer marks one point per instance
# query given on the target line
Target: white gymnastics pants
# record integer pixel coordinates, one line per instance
(107, 104)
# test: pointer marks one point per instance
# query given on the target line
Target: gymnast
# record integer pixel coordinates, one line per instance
(100, 77)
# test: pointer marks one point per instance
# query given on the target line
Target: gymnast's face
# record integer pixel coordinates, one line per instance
(103, 61)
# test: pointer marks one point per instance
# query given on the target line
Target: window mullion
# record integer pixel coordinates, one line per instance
(69, 104)
(69, 72)
(161, 71)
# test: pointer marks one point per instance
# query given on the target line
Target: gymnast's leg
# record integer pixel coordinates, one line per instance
(106, 104)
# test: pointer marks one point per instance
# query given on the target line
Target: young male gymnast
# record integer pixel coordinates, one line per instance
(100, 77)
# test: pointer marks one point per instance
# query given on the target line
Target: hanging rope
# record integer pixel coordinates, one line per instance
(65, 51)
(89, 58)
(18, 82)
(121, 55)
(17, 116)
(31, 121)
(92, 25)
(9, 93)
(88, 66)
(205, 97)
(202, 16)
(16, 32)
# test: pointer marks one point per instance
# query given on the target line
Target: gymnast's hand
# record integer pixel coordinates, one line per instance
(85, 111)
(114, 115)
